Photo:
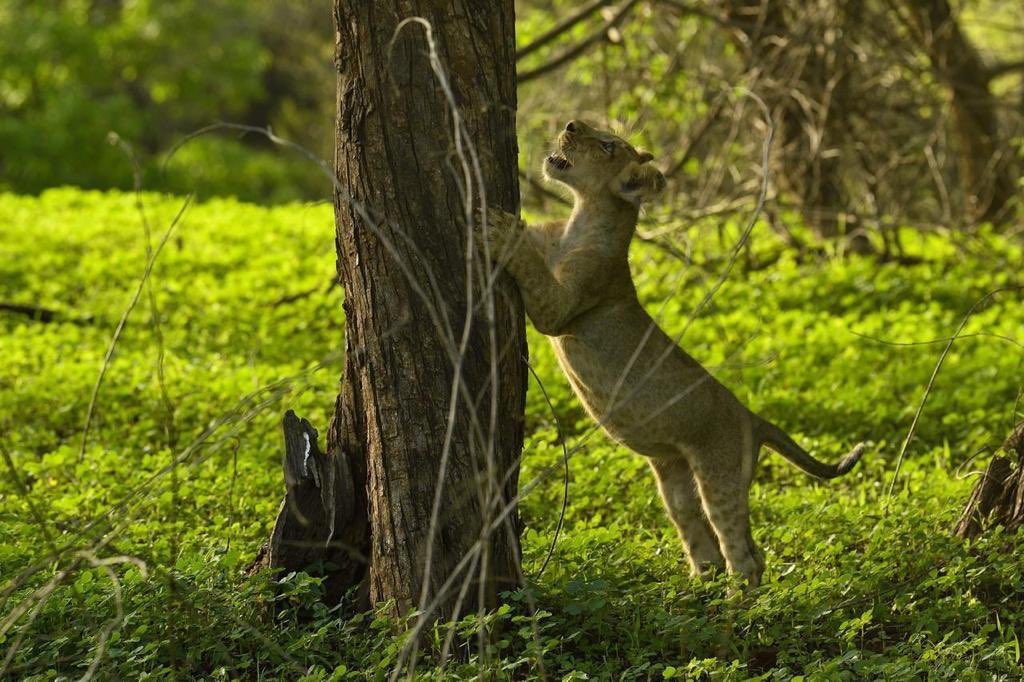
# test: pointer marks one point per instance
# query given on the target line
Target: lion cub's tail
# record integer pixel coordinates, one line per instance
(778, 440)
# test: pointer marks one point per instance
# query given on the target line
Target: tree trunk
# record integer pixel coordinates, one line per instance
(985, 171)
(402, 259)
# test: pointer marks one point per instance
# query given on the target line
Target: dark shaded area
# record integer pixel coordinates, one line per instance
(319, 526)
(998, 498)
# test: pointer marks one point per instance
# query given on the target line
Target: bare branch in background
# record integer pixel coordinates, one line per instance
(561, 27)
(539, 187)
(698, 135)
(683, 9)
(580, 48)
(1003, 68)
(986, 173)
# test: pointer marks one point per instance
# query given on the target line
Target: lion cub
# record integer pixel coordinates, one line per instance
(646, 392)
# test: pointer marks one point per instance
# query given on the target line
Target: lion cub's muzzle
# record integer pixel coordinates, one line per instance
(559, 162)
(559, 159)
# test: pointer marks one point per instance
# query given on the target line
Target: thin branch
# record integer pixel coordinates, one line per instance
(684, 9)
(666, 246)
(945, 339)
(931, 382)
(542, 190)
(698, 134)
(306, 293)
(762, 195)
(578, 49)
(565, 463)
(561, 27)
(124, 321)
(1003, 68)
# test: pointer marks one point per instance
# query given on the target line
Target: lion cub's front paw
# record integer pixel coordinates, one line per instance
(503, 230)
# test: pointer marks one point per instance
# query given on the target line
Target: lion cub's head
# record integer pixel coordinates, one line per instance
(593, 162)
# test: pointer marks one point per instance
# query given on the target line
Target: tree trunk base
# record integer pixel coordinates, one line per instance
(998, 498)
(319, 506)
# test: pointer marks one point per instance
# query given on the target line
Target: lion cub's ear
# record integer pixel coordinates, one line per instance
(638, 182)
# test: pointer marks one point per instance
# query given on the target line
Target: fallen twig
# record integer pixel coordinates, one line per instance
(41, 314)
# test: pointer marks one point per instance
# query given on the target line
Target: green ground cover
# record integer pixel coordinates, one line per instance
(852, 590)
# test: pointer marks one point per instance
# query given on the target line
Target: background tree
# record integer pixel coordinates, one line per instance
(869, 128)
(807, 85)
(984, 160)
(888, 113)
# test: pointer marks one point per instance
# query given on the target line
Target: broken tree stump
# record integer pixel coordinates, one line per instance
(318, 516)
(998, 498)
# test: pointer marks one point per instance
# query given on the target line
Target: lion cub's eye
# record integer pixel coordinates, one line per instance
(608, 147)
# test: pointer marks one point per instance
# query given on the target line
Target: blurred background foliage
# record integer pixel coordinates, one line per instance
(887, 112)
(152, 71)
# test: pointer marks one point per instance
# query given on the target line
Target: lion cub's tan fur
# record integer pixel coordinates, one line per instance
(647, 393)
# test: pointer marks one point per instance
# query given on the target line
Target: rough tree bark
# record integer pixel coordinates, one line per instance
(998, 498)
(406, 301)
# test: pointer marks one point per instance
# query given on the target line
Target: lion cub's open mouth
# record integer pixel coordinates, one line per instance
(559, 161)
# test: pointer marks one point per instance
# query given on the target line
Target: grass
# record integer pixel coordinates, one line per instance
(852, 591)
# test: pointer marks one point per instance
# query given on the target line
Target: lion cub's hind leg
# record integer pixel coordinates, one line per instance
(723, 472)
(678, 490)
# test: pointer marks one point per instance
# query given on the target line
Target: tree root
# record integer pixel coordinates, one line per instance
(998, 498)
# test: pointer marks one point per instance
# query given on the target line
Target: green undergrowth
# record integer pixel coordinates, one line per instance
(246, 325)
